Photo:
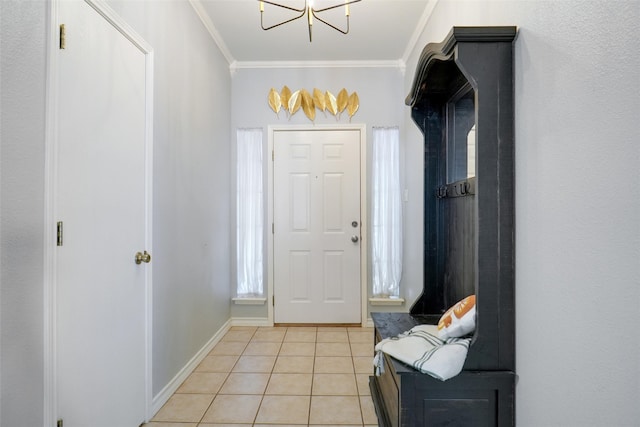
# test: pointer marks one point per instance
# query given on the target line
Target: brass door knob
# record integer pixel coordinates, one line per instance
(143, 257)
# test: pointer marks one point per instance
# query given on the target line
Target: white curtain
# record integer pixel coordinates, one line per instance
(249, 213)
(386, 209)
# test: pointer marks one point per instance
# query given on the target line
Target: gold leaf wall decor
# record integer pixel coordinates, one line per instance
(353, 104)
(319, 100)
(307, 104)
(294, 102)
(291, 102)
(332, 104)
(343, 99)
(274, 101)
(285, 94)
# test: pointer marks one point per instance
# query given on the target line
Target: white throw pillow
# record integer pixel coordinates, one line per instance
(459, 320)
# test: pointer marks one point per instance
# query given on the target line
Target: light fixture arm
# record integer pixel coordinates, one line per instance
(301, 11)
(312, 13)
(346, 3)
(331, 25)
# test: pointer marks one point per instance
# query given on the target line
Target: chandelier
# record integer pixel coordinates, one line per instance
(311, 13)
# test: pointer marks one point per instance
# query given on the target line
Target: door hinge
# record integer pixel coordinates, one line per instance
(59, 233)
(63, 37)
(59, 423)
(273, 300)
(273, 228)
(273, 156)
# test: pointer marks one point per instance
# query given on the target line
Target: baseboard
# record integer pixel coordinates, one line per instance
(251, 321)
(161, 398)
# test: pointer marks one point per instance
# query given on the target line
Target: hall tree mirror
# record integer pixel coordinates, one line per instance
(461, 135)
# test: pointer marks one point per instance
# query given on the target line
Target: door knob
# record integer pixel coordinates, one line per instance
(354, 239)
(143, 257)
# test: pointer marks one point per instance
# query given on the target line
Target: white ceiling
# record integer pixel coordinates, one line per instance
(381, 31)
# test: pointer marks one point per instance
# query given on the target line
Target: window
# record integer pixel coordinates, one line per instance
(250, 215)
(386, 212)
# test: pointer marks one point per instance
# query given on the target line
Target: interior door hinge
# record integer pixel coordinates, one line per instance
(273, 228)
(59, 423)
(273, 300)
(63, 37)
(273, 156)
(59, 233)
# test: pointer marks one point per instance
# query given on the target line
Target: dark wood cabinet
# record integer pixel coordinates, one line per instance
(462, 100)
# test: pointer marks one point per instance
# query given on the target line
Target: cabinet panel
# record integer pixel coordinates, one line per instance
(390, 394)
(461, 412)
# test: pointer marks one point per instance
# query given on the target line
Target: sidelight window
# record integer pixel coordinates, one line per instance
(386, 211)
(250, 215)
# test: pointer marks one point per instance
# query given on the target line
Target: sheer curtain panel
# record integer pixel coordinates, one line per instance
(249, 213)
(386, 210)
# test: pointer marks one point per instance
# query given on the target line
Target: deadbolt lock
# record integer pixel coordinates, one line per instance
(143, 257)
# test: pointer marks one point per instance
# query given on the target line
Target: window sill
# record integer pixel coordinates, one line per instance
(386, 301)
(249, 300)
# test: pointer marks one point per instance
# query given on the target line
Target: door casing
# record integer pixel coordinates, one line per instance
(364, 239)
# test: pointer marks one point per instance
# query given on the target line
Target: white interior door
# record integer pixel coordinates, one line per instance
(101, 199)
(316, 199)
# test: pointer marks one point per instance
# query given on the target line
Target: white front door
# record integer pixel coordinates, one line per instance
(316, 199)
(100, 198)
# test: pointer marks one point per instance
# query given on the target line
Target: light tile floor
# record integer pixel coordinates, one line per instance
(309, 376)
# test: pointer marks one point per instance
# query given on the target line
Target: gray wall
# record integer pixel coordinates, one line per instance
(381, 104)
(577, 203)
(22, 128)
(191, 230)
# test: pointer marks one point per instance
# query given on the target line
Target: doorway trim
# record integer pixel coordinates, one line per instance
(364, 228)
(50, 196)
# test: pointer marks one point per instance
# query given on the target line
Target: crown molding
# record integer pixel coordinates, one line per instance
(206, 21)
(320, 64)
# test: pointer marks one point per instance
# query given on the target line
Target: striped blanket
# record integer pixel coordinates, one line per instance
(421, 348)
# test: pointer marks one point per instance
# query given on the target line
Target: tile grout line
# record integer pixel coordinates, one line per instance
(355, 378)
(264, 393)
(255, 417)
(226, 378)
